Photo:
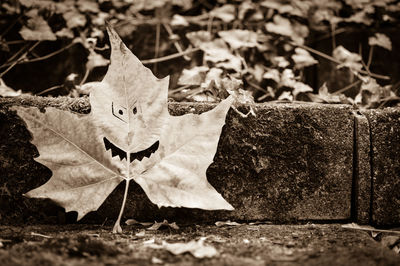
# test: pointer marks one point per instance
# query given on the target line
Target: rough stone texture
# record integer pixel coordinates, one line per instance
(256, 245)
(385, 143)
(362, 170)
(291, 162)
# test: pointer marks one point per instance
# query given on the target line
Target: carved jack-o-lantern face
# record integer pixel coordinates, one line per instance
(129, 108)
(120, 112)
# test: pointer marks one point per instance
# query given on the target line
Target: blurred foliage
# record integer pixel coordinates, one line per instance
(257, 49)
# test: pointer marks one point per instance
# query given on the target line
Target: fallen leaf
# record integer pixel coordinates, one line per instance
(6, 91)
(380, 40)
(282, 26)
(134, 222)
(324, 96)
(226, 13)
(88, 6)
(288, 79)
(371, 93)
(141, 233)
(128, 135)
(273, 74)
(280, 61)
(302, 58)
(156, 226)
(155, 260)
(193, 76)
(37, 29)
(95, 60)
(348, 59)
(368, 228)
(65, 33)
(215, 51)
(286, 96)
(196, 248)
(74, 19)
(390, 241)
(362, 17)
(178, 20)
(226, 223)
(239, 38)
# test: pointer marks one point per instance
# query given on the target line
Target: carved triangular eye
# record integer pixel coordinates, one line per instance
(119, 112)
(134, 110)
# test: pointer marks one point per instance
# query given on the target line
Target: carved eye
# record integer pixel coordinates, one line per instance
(119, 112)
(134, 110)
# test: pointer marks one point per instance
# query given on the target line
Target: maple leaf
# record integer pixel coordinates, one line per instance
(128, 135)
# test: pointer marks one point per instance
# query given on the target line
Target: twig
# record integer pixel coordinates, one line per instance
(378, 76)
(41, 235)
(346, 88)
(210, 24)
(10, 27)
(22, 57)
(170, 92)
(256, 86)
(176, 42)
(362, 61)
(52, 54)
(371, 51)
(49, 89)
(17, 53)
(85, 77)
(42, 57)
(333, 33)
(15, 42)
(169, 57)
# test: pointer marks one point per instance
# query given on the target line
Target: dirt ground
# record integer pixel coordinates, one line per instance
(245, 244)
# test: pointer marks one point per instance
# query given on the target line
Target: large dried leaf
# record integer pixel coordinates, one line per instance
(128, 135)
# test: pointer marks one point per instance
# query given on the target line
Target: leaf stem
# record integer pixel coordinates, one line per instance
(117, 226)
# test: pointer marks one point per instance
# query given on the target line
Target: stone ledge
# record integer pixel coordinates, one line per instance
(292, 162)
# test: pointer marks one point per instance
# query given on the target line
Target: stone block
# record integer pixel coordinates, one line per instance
(385, 163)
(292, 162)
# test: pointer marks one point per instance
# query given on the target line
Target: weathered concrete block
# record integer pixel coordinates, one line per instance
(362, 170)
(291, 162)
(385, 163)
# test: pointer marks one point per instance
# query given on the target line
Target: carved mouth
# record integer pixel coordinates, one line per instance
(115, 151)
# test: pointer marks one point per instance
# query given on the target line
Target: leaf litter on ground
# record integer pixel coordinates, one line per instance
(164, 224)
(197, 248)
(388, 238)
(226, 223)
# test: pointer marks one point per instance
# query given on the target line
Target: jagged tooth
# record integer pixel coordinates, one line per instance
(113, 153)
(140, 156)
(106, 143)
(122, 156)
